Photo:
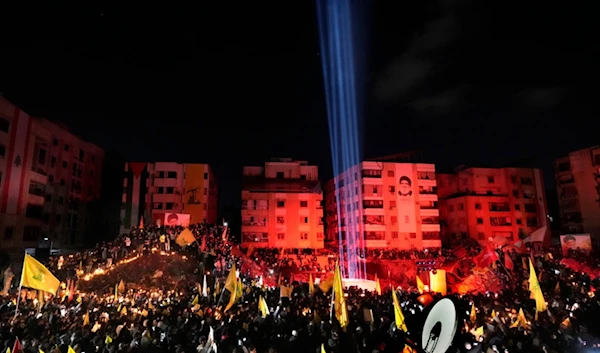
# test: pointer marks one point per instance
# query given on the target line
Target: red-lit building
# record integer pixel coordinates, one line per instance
(484, 203)
(282, 205)
(393, 204)
(47, 176)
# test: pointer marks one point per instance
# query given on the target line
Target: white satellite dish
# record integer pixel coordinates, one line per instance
(440, 327)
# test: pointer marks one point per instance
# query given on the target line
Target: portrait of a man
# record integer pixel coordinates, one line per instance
(405, 189)
(172, 219)
(570, 243)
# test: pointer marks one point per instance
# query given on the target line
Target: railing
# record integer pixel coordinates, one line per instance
(257, 224)
(427, 192)
(504, 208)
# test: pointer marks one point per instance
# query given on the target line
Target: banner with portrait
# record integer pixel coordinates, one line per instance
(580, 242)
(437, 281)
(405, 198)
(177, 219)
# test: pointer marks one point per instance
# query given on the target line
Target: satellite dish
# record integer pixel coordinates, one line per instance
(440, 327)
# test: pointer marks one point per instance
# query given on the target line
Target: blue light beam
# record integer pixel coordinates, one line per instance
(340, 76)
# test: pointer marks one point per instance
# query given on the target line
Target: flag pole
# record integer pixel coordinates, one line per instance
(20, 287)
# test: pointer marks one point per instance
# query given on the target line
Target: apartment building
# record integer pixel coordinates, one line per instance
(503, 204)
(393, 205)
(578, 187)
(152, 192)
(47, 177)
(282, 205)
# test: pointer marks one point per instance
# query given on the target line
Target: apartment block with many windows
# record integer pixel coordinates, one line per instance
(504, 204)
(578, 186)
(282, 205)
(152, 192)
(48, 176)
(393, 205)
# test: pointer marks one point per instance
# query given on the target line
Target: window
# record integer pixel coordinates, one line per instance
(479, 220)
(64, 164)
(63, 182)
(392, 189)
(4, 125)
(390, 173)
(394, 235)
(9, 232)
(280, 175)
(160, 190)
(2, 151)
(461, 206)
(280, 220)
(303, 203)
(31, 233)
(371, 173)
(394, 220)
(491, 179)
(158, 206)
(532, 222)
(169, 206)
(172, 175)
(320, 236)
(302, 176)
(66, 147)
(513, 179)
(519, 221)
(280, 203)
(392, 205)
(303, 236)
(517, 207)
(81, 155)
(42, 156)
(55, 142)
(304, 220)
(205, 176)
(413, 235)
(515, 193)
(477, 206)
(530, 207)
(280, 236)
(170, 190)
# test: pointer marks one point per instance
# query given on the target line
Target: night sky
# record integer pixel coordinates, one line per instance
(475, 84)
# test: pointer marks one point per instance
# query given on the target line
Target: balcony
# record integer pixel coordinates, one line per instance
(371, 173)
(253, 224)
(372, 204)
(427, 192)
(260, 184)
(568, 180)
(499, 207)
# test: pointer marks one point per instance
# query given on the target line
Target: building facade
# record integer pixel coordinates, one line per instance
(153, 191)
(393, 205)
(578, 187)
(503, 204)
(282, 205)
(48, 176)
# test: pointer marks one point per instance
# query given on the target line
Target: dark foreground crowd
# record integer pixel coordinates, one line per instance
(183, 317)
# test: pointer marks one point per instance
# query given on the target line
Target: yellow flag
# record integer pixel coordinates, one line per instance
(37, 276)
(377, 285)
(108, 340)
(121, 286)
(217, 288)
(185, 238)
(262, 307)
(473, 316)
(536, 291)
(230, 282)
(521, 320)
(420, 285)
(195, 301)
(478, 332)
(40, 350)
(322, 348)
(408, 349)
(86, 319)
(311, 284)
(566, 323)
(116, 292)
(339, 301)
(494, 313)
(326, 285)
(398, 316)
(8, 350)
(70, 350)
(232, 294)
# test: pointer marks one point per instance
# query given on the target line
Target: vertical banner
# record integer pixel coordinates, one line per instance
(437, 282)
(405, 198)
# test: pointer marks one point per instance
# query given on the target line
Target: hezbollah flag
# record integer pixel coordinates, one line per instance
(185, 238)
(37, 276)
(536, 291)
(339, 301)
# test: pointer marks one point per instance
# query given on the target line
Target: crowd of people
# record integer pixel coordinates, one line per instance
(183, 309)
